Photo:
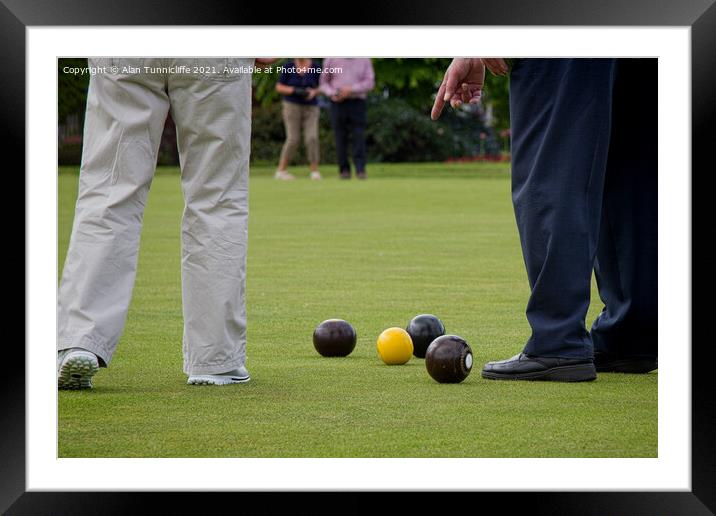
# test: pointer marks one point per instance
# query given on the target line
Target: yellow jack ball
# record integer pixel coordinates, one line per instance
(395, 346)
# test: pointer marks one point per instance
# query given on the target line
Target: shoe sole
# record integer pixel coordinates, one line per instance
(574, 373)
(628, 366)
(216, 380)
(76, 372)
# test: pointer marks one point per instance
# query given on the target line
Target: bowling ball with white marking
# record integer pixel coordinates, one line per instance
(449, 359)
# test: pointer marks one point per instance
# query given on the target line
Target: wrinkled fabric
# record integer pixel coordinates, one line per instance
(584, 189)
(210, 102)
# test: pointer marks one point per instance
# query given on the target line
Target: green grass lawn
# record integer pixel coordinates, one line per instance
(412, 239)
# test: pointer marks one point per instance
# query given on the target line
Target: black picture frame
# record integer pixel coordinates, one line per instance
(700, 15)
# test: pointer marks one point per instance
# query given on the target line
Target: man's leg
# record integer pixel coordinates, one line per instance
(625, 333)
(560, 115)
(359, 120)
(213, 119)
(123, 126)
(339, 122)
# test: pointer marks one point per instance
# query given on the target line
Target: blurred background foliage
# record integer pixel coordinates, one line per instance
(399, 125)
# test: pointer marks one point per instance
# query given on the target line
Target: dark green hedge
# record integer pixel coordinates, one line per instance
(396, 132)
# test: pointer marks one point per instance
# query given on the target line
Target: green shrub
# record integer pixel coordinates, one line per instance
(396, 132)
(69, 153)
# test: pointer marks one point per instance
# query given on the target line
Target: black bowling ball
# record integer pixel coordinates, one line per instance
(424, 329)
(334, 338)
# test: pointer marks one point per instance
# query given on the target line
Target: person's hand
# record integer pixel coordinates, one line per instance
(300, 92)
(497, 66)
(462, 83)
(343, 93)
(312, 92)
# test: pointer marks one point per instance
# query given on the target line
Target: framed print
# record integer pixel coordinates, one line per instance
(414, 225)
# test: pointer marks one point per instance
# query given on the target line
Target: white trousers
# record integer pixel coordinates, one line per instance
(210, 102)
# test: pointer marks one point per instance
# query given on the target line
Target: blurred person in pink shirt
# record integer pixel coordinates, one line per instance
(347, 82)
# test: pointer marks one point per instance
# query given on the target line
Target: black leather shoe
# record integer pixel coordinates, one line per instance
(611, 363)
(527, 367)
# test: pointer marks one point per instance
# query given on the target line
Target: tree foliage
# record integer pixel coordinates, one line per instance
(71, 88)
(413, 80)
(400, 127)
(417, 80)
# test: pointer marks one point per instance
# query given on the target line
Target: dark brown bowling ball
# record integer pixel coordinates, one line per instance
(423, 329)
(334, 338)
(449, 359)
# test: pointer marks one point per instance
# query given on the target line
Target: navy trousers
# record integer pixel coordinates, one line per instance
(584, 188)
(349, 118)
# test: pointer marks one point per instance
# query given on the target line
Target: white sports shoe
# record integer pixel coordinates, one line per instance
(239, 375)
(316, 175)
(75, 368)
(283, 175)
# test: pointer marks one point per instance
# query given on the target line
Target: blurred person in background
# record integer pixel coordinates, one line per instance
(299, 86)
(347, 83)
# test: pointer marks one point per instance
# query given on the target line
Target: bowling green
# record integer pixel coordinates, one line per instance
(411, 239)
